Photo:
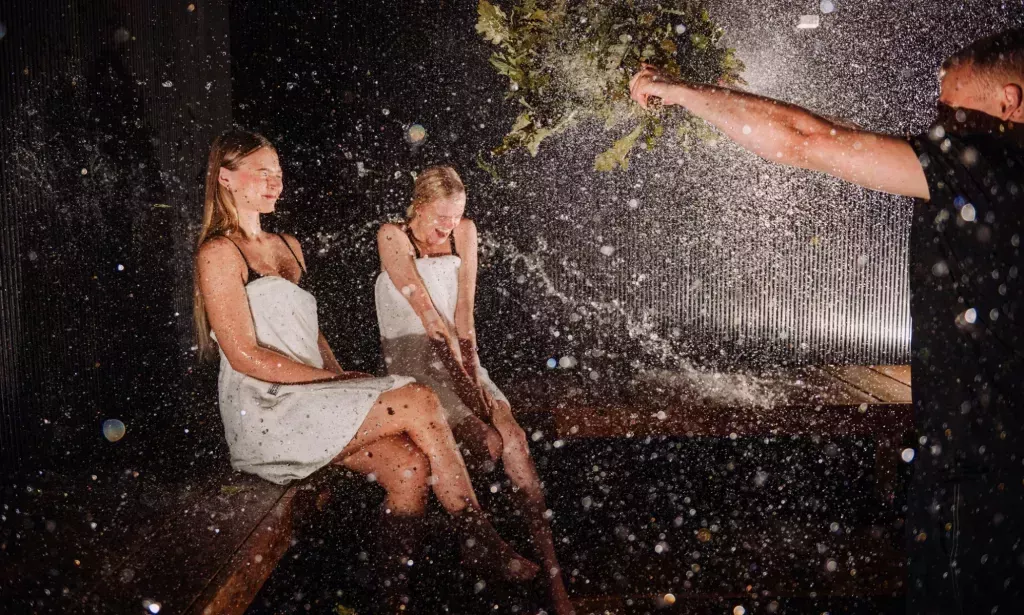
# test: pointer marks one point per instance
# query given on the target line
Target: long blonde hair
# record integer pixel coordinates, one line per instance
(432, 183)
(220, 217)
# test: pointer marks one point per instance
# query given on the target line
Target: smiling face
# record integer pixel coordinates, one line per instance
(437, 218)
(256, 182)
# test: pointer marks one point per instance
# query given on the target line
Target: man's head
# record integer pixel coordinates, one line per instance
(987, 76)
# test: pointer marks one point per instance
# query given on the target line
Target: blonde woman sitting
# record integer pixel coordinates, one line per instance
(425, 296)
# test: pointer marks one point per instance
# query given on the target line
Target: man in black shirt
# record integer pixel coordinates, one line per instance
(965, 516)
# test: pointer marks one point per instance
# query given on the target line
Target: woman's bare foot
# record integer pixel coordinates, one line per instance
(484, 550)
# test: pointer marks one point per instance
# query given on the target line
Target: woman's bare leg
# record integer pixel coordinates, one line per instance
(400, 467)
(482, 438)
(403, 470)
(414, 411)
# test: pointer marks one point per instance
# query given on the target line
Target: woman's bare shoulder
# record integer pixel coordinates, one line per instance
(392, 231)
(218, 248)
(466, 230)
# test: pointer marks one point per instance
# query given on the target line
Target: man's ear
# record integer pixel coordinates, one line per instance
(224, 178)
(1013, 102)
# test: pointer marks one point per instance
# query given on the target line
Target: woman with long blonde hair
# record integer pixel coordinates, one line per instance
(288, 407)
(425, 295)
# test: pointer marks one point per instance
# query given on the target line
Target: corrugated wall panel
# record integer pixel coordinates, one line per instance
(108, 110)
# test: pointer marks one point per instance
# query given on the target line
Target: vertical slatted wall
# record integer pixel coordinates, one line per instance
(108, 109)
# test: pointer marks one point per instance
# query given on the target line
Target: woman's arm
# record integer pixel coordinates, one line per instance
(466, 244)
(397, 259)
(221, 273)
(790, 135)
(330, 363)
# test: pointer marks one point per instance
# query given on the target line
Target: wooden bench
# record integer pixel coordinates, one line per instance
(124, 542)
(872, 401)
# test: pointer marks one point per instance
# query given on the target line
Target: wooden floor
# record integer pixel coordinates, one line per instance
(206, 544)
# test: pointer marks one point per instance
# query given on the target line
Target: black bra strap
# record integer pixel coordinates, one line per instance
(412, 240)
(247, 265)
(292, 251)
(451, 240)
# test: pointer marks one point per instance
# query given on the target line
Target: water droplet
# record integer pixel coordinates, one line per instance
(669, 598)
(968, 213)
(113, 430)
(680, 28)
(747, 129)
(168, 84)
(191, 8)
(831, 565)
(970, 316)
(386, 112)
(738, 610)
(607, 250)
(827, 6)
(552, 363)
(808, 22)
(907, 454)
(415, 134)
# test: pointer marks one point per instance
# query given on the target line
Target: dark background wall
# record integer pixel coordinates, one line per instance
(717, 258)
(108, 110)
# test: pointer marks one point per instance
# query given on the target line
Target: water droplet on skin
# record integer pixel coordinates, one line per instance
(747, 130)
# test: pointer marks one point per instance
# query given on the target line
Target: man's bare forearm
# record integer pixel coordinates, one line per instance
(771, 129)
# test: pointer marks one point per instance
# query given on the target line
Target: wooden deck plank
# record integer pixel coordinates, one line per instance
(900, 373)
(590, 422)
(239, 580)
(874, 383)
(206, 525)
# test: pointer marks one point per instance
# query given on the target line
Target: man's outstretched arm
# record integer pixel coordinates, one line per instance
(791, 135)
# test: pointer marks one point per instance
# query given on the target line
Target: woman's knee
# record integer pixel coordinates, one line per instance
(407, 474)
(424, 403)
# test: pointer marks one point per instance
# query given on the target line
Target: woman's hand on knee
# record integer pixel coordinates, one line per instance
(495, 444)
(513, 438)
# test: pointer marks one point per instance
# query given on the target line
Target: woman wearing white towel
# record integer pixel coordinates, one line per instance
(288, 407)
(425, 296)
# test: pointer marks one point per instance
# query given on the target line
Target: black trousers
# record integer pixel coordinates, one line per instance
(966, 548)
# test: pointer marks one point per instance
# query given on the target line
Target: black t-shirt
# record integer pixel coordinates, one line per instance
(966, 283)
